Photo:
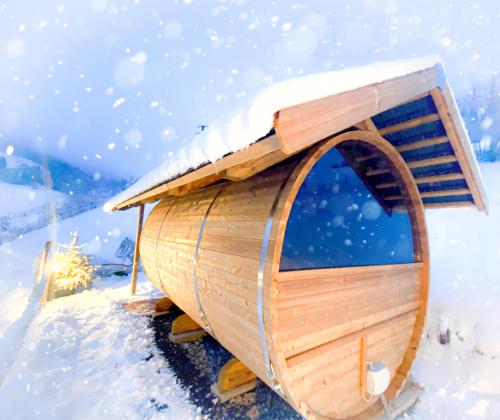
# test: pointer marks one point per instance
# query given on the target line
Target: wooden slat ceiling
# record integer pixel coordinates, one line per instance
(415, 113)
(417, 130)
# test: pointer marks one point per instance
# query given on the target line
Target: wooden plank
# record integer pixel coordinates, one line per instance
(300, 341)
(248, 169)
(243, 247)
(310, 318)
(284, 276)
(320, 361)
(300, 300)
(432, 194)
(300, 126)
(251, 153)
(368, 157)
(409, 124)
(457, 204)
(416, 164)
(425, 180)
(368, 125)
(298, 358)
(194, 185)
(448, 205)
(434, 141)
(135, 265)
(183, 324)
(423, 143)
(455, 130)
(342, 374)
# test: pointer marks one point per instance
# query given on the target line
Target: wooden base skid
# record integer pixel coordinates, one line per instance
(399, 405)
(156, 307)
(162, 306)
(234, 379)
(405, 400)
(186, 337)
(184, 330)
(226, 396)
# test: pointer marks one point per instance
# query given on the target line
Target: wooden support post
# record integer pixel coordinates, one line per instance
(234, 379)
(185, 329)
(136, 250)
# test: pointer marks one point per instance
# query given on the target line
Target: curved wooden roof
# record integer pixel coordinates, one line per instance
(416, 113)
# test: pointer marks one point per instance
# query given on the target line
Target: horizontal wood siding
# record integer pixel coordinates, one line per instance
(314, 311)
(228, 258)
(313, 319)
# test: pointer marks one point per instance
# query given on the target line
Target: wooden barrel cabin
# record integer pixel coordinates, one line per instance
(305, 254)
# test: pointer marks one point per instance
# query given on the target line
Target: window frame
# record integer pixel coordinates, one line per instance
(400, 171)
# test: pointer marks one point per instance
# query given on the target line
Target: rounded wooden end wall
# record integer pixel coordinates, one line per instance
(320, 316)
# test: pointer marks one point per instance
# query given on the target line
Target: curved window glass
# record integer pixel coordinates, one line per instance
(336, 221)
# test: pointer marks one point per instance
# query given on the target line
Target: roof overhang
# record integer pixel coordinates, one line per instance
(300, 126)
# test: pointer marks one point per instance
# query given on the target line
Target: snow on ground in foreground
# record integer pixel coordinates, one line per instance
(462, 378)
(86, 357)
(83, 356)
(102, 231)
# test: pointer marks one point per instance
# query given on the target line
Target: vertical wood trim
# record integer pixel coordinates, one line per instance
(260, 290)
(362, 365)
(460, 143)
(133, 285)
(199, 306)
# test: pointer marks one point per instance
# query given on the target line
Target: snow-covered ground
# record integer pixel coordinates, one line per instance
(88, 357)
(85, 356)
(462, 377)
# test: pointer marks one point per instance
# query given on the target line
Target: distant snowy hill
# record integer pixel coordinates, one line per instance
(35, 189)
(18, 198)
(27, 168)
(18, 170)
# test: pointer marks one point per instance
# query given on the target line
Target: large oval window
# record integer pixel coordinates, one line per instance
(339, 218)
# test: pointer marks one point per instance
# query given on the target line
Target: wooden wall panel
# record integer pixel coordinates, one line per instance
(318, 317)
(313, 319)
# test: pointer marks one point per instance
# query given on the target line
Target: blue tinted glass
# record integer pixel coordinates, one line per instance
(336, 222)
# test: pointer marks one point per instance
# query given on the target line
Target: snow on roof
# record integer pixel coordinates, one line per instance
(249, 124)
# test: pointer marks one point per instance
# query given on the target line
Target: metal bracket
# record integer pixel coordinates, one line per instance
(199, 307)
(260, 286)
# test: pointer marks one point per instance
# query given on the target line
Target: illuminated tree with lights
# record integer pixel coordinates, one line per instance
(71, 269)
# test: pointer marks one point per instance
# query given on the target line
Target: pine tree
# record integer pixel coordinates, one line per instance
(71, 269)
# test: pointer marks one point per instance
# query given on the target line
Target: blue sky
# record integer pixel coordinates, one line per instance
(114, 86)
